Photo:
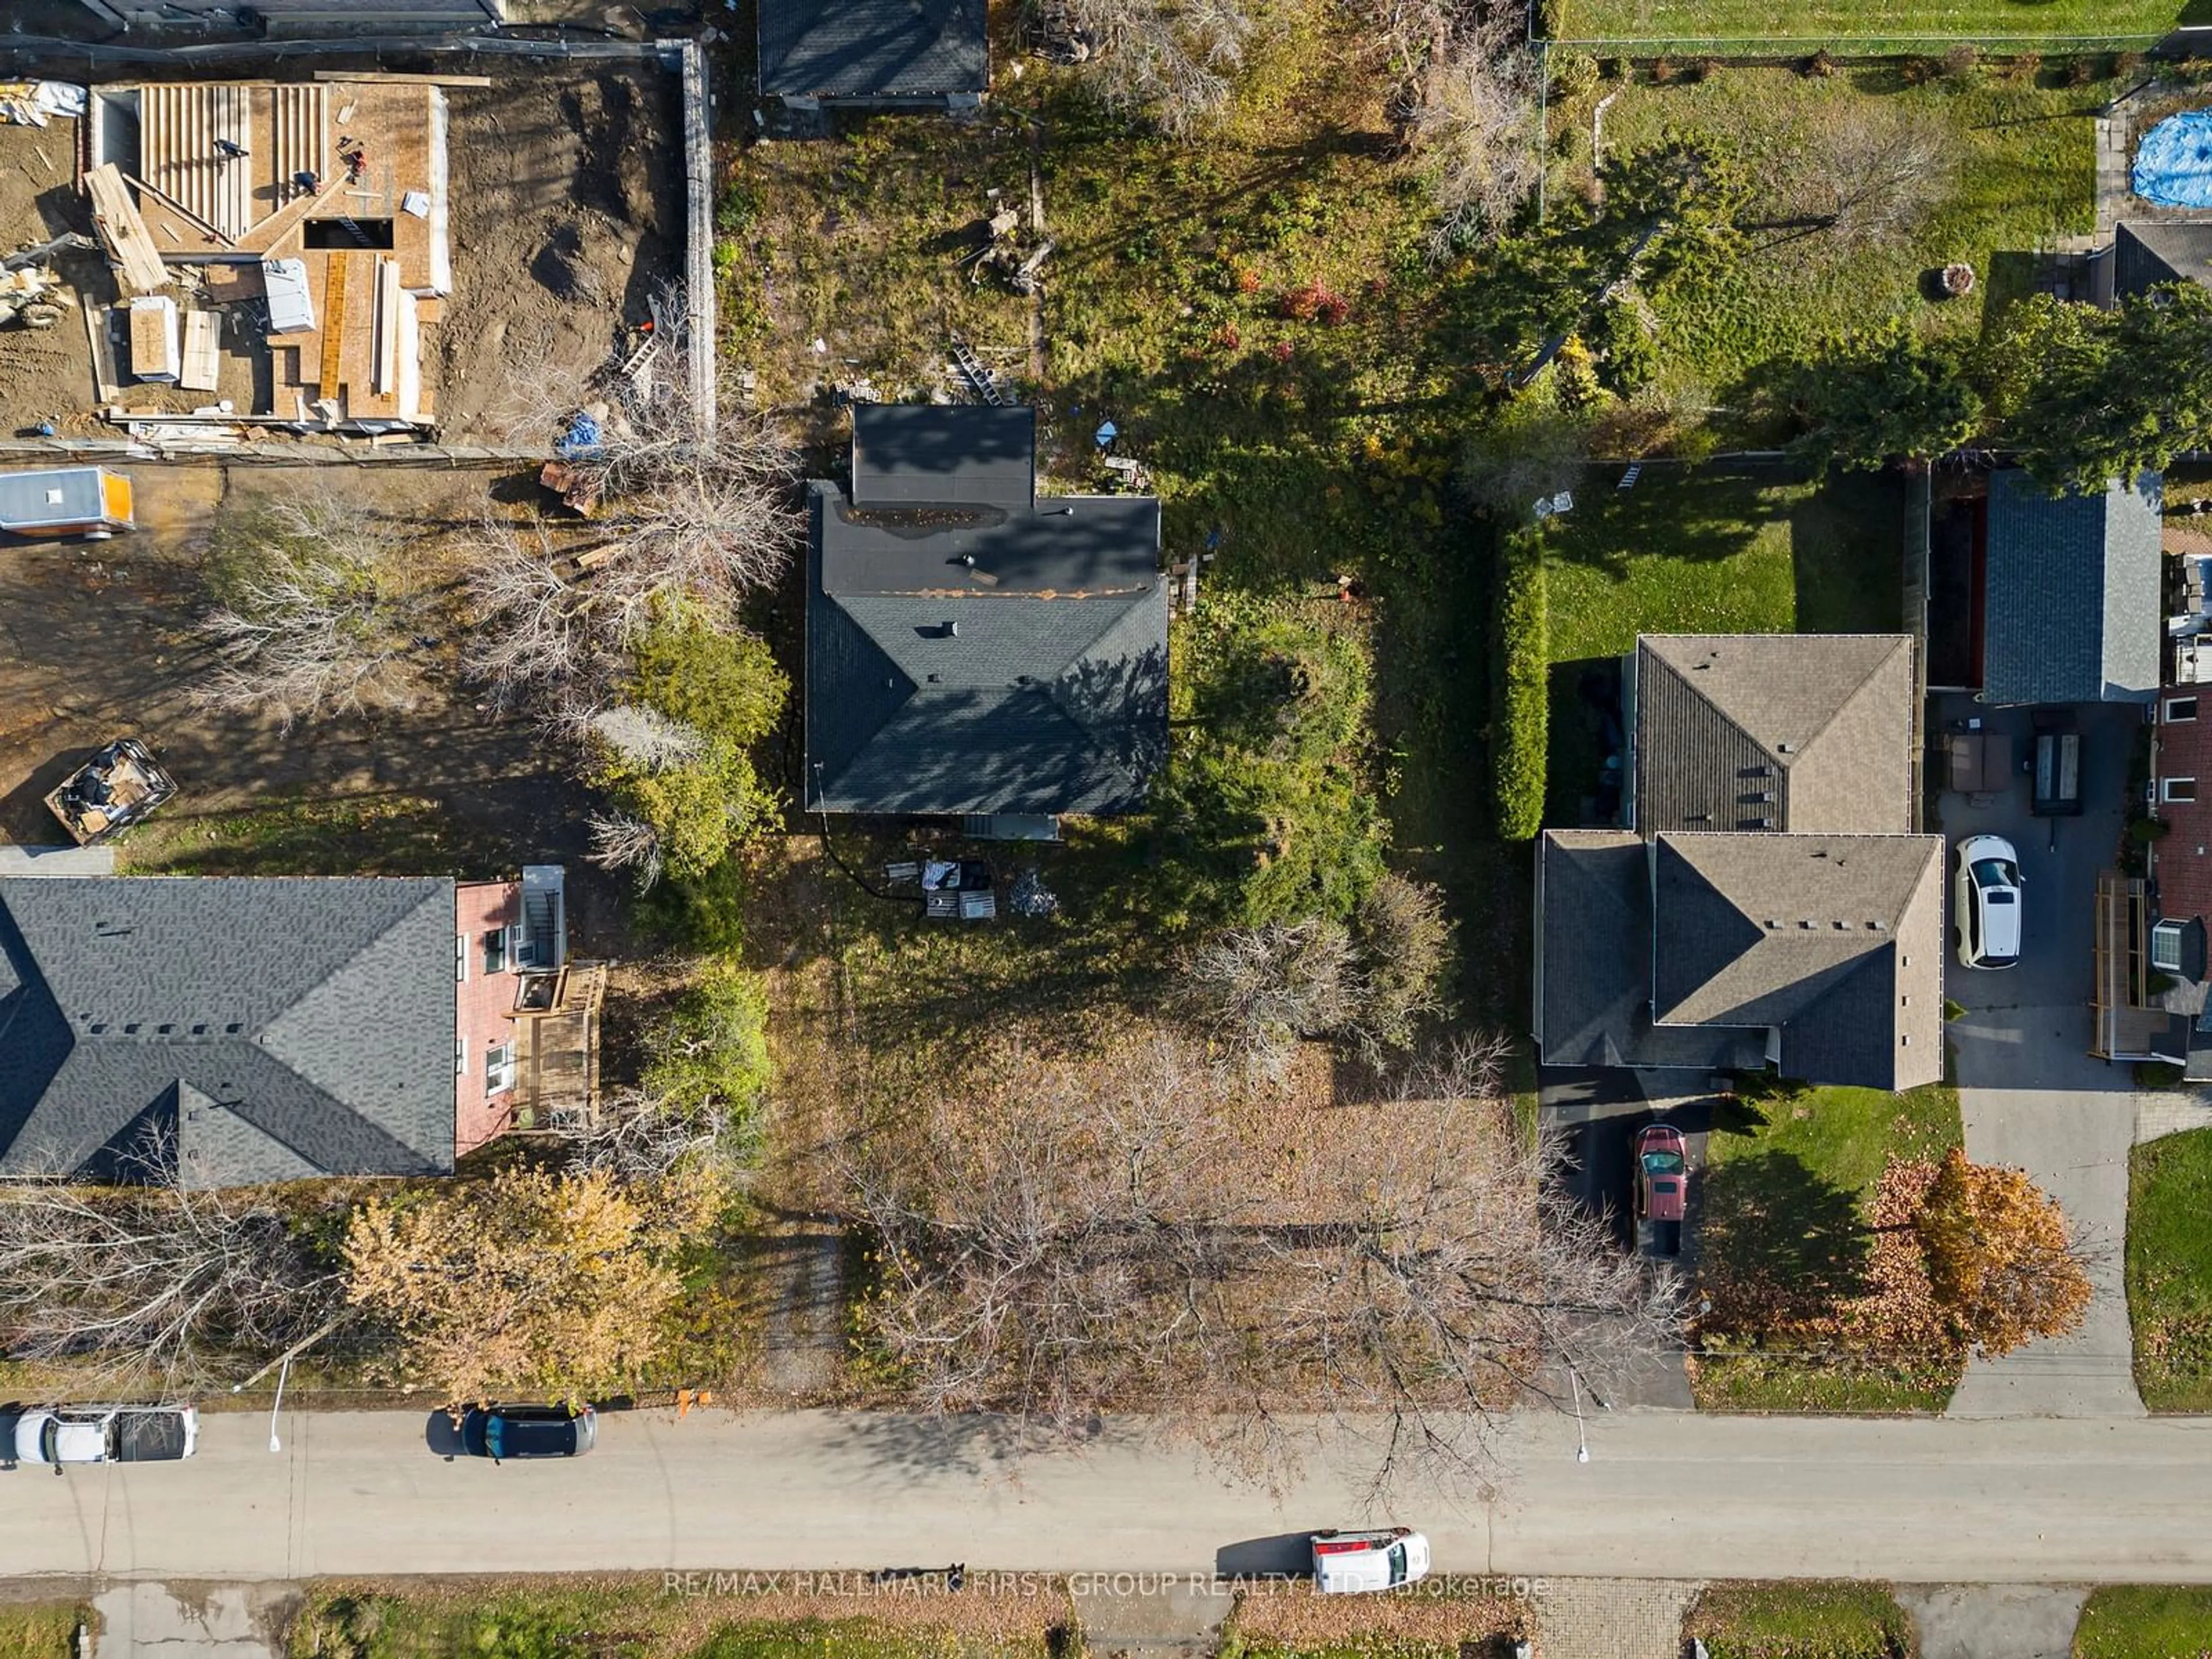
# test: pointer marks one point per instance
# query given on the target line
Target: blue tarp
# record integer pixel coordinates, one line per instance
(2173, 163)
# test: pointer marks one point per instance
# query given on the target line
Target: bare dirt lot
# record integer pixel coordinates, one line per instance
(99, 641)
(567, 212)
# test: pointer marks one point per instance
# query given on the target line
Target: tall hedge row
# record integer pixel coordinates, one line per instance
(1521, 695)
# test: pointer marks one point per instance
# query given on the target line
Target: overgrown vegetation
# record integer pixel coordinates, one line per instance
(1267, 810)
(1814, 1619)
(2169, 1270)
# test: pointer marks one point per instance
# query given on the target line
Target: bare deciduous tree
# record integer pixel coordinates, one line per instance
(1259, 989)
(621, 841)
(1862, 177)
(1475, 124)
(320, 611)
(152, 1286)
(689, 506)
(1173, 61)
(1123, 1230)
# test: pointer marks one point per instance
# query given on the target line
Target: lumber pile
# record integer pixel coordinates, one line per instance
(124, 232)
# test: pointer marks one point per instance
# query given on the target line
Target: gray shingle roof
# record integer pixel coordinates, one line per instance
(274, 1027)
(969, 650)
(1780, 732)
(1835, 940)
(2072, 612)
(1593, 959)
(2146, 254)
(873, 48)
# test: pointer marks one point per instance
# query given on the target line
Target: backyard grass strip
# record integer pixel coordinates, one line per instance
(1871, 22)
(2169, 1270)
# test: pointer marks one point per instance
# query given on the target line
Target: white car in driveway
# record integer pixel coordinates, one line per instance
(106, 1434)
(1348, 1562)
(1986, 909)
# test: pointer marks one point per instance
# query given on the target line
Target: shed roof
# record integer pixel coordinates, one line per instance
(1774, 732)
(2148, 253)
(2072, 613)
(271, 1027)
(873, 48)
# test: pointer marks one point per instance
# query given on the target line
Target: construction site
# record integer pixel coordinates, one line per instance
(355, 256)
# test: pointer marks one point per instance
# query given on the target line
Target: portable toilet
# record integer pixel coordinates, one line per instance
(91, 501)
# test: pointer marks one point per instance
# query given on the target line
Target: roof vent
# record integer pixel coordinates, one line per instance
(937, 679)
(98, 1026)
(1841, 925)
(199, 1030)
(1906, 1038)
(1785, 748)
(1771, 922)
(1808, 924)
(233, 1028)
(130, 1028)
(165, 1027)
(967, 559)
(1877, 926)
(1762, 823)
(951, 630)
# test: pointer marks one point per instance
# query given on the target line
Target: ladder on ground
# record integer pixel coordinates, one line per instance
(1628, 479)
(985, 384)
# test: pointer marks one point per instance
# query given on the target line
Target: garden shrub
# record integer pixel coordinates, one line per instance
(1574, 74)
(712, 1052)
(1522, 699)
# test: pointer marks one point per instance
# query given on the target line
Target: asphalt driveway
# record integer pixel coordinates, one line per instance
(2029, 1027)
(2032, 1094)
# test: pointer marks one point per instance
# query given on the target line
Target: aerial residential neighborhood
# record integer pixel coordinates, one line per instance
(1251, 828)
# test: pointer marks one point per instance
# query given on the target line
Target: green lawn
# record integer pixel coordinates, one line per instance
(2020, 171)
(1810, 1620)
(2145, 1621)
(40, 1630)
(1709, 551)
(2170, 1270)
(1750, 24)
(1787, 1179)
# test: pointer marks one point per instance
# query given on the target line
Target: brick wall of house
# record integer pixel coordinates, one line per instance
(484, 1008)
(2181, 863)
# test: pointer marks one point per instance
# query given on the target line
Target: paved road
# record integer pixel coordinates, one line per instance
(1663, 1496)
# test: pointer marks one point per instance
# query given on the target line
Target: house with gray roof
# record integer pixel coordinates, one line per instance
(874, 52)
(1819, 954)
(971, 648)
(233, 1031)
(2072, 608)
(1775, 733)
(1766, 902)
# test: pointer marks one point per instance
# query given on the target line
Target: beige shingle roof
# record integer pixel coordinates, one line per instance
(1777, 731)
